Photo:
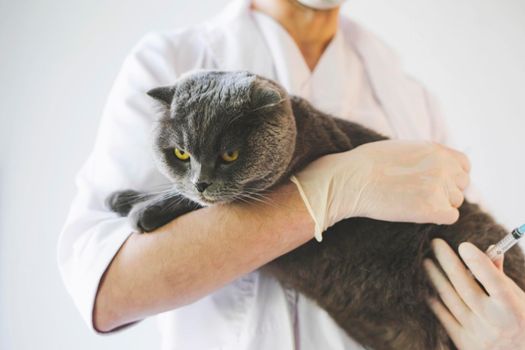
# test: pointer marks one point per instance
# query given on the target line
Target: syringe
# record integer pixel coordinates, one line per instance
(506, 243)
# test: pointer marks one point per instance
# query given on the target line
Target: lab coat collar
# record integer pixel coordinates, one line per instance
(402, 99)
(236, 43)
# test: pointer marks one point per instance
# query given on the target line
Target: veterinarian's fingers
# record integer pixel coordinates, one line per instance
(484, 270)
(440, 206)
(462, 180)
(446, 216)
(451, 325)
(455, 196)
(516, 289)
(510, 282)
(460, 157)
(499, 260)
(459, 276)
(448, 294)
(518, 293)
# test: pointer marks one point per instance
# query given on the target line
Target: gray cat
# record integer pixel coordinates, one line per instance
(228, 136)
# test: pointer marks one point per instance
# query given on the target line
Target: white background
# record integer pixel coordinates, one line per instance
(57, 62)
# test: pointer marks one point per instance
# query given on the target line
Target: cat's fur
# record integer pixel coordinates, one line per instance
(366, 273)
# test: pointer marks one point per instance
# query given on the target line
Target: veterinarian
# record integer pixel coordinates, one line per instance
(198, 273)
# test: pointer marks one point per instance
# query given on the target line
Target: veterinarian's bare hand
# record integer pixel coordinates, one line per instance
(473, 319)
(391, 180)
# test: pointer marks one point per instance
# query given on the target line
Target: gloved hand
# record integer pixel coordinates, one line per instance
(390, 180)
(476, 318)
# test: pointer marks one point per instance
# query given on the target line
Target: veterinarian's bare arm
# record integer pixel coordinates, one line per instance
(197, 254)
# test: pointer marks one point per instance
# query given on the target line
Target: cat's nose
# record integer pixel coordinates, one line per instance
(201, 186)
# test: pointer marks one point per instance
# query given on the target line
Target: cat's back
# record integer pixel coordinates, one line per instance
(368, 274)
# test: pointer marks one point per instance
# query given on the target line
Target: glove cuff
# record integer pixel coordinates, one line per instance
(318, 233)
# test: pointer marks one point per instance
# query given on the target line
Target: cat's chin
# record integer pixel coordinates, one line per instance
(205, 200)
(208, 202)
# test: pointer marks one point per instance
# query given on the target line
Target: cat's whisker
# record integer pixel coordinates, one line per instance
(242, 200)
(174, 195)
(142, 196)
(253, 197)
(168, 190)
(246, 199)
(260, 194)
(162, 196)
(262, 201)
(165, 197)
(176, 201)
(159, 188)
(256, 194)
(168, 184)
(171, 199)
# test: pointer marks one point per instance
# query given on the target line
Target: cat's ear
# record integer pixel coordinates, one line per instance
(163, 94)
(264, 94)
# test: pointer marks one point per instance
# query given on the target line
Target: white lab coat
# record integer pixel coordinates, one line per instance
(254, 312)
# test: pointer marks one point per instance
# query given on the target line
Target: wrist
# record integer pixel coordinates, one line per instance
(284, 209)
(331, 187)
(295, 212)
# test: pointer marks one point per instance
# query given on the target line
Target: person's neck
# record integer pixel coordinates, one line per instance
(311, 29)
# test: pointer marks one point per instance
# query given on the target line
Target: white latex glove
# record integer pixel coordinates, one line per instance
(391, 180)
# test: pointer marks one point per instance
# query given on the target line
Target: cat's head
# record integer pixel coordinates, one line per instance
(223, 135)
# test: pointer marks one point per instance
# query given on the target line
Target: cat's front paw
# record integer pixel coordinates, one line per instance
(121, 202)
(144, 218)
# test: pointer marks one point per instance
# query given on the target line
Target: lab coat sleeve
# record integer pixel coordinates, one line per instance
(121, 159)
(440, 130)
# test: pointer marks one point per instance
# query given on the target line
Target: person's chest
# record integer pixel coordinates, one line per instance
(337, 85)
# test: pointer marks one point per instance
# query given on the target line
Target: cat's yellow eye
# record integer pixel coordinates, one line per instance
(182, 155)
(230, 156)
